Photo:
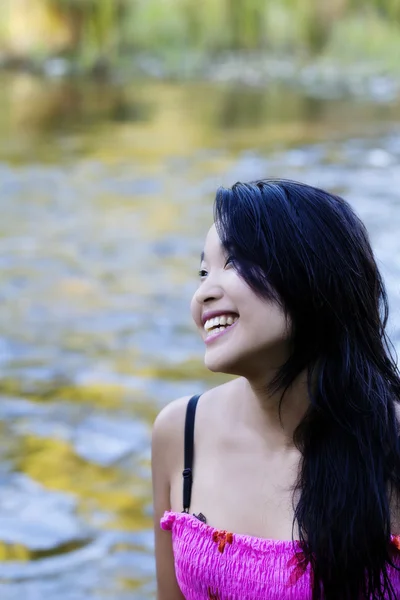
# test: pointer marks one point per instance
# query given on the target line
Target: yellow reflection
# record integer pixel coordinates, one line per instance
(13, 552)
(172, 131)
(129, 585)
(101, 395)
(54, 464)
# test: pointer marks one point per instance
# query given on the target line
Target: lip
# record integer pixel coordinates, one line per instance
(210, 338)
(210, 314)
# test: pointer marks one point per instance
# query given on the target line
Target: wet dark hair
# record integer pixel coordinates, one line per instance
(307, 249)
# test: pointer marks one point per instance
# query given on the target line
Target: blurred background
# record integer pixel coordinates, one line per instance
(118, 121)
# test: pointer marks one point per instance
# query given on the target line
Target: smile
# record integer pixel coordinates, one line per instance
(218, 326)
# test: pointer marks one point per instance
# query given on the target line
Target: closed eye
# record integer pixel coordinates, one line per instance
(229, 261)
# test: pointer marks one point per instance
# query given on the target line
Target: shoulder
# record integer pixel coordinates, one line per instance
(172, 417)
(166, 451)
(166, 439)
(168, 429)
(169, 425)
(169, 417)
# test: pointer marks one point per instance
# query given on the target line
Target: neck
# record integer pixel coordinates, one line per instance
(260, 409)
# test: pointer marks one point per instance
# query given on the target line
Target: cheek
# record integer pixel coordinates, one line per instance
(195, 311)
(268, 323)
(277, 326)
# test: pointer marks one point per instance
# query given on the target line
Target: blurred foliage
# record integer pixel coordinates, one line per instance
(107, 29)
(95, 25)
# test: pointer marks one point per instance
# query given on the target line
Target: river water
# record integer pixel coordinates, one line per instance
(106, 194)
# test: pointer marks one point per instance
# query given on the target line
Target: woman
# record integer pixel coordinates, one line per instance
(297, 459)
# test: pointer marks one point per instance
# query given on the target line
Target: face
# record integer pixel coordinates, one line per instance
(243, 333)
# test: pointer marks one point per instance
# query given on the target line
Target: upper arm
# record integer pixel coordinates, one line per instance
(166, 454)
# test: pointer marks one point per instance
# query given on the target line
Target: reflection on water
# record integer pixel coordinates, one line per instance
(54, 121)
(106, 194)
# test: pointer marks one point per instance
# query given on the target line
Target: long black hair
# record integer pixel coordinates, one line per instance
(306, 249)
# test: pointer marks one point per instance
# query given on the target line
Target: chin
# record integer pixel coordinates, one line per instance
(245, 363)
(220, 364)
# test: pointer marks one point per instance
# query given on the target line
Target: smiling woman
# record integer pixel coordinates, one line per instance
(222, 287)
(299, 454)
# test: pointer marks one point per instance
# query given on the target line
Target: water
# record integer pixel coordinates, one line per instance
(106, 194)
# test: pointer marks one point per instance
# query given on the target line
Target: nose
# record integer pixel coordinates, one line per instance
(208, 291)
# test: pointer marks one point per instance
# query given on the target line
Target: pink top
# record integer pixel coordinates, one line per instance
(213, 564)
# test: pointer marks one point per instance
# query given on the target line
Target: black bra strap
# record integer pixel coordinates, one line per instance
(189, 449)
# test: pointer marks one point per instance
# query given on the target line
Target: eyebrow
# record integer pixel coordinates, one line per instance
(201, 257)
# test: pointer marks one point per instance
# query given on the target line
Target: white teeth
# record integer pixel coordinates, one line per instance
(218, 323)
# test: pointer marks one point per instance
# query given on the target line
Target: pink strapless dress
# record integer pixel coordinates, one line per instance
(213, 564)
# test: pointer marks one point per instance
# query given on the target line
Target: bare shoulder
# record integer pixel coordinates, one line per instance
(168, 418)
(166, 447)
(168, 431)
(166, 461)
(169, 426)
